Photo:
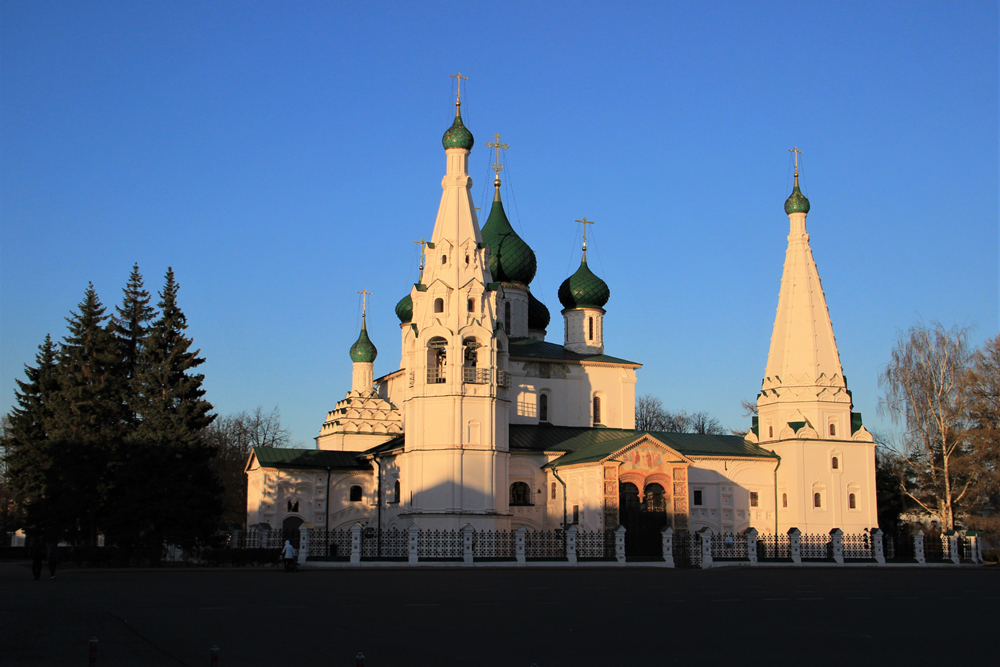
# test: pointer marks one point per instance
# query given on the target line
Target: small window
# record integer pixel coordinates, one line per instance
(833, 429)
(355, 494)
(835, 462)
(770, 431)
(520, 494)
(597, 409)
(506, 317)
(472, 306)
(397, 492)
(852, 501)
(553, 490)
(817, 499)
(590, 321)
(466, 259)
(576, 514)
(754, 499)
(784, 500)
(543, 408)
(444, 259)
(438, 305)
(698, 498)
(293, 507)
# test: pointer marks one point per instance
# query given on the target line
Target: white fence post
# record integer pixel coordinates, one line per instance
(751, 535)
(837, 546)
(795, 545)
(262, 536)
(706, 547)
(414, 534)
(519, 535)
(952, 537)
(975, 554)
(467, 536)
(620, 545)
(356, 544)
(571, 544)
(878, 548)
(303, 544)
(668, 546)
(918, 546)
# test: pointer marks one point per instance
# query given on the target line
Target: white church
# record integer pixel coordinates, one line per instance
(489, 424)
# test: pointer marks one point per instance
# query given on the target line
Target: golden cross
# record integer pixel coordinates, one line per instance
(585, 222)
(796, 152)
(458, 96)
(422, 243)
(497, 167)
(364, 301)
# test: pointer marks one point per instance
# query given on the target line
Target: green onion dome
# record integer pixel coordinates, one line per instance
(363, 349)
(458, 136)
(404, 309)
(583, 289)
(538, 314)
(796, 202)
(511, 259)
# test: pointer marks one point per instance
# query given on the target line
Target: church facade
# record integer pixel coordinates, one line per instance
(486, 423)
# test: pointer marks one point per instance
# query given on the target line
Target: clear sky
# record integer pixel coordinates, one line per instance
(281, 156)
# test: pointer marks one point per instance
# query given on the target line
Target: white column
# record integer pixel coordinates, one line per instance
(467, 536)
(571, 544)
(668, 546)
(303, 544)
(795, 545)
(952, 537)
(519, 536)
(918, 546)
(620, 545)
(751, 536)
(414, 537)
(356, 544)
(706, 547)
(878, 548)
(837, 546)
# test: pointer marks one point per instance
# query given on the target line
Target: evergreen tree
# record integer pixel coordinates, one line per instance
(131, 325)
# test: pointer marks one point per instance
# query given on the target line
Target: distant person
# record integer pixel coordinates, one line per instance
(37, 556)
(53, 559)
(288, 556)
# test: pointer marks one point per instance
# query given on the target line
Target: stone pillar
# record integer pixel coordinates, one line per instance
(414, 533)
(468, 532)
(795, 545)
(878, 549)
(356, 544)
(706, 547)
(571, 544)
(620, 545)
(303, 544)
(262, 536)
(837, 546)
(918, 546)
(668, 546)
(975, 549)
(234, 542)
(952, 537)
(751, 535)
(519, 536)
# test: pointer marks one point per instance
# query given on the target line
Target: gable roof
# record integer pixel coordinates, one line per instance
(530, 348)
(275, 457)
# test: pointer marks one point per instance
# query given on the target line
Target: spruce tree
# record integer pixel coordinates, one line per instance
(131, 326)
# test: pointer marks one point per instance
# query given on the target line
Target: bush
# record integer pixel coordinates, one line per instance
(991, 556)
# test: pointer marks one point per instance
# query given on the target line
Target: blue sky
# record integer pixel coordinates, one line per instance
(282, 156)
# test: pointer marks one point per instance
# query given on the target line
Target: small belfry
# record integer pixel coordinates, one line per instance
(583, 296)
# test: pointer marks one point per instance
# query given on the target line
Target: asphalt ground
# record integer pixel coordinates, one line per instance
(505, 617)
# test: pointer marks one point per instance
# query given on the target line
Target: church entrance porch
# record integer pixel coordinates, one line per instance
(644, 516)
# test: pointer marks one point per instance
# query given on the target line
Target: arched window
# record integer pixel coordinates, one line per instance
(835, 463)
(817, 499)
(543, 408)
(597, 409)
(520, 494)
(355, 494)
(784, 500)
(590, 326)
(472, 306)
(654, 498)
(833, 429)
(444, 259)
(770, 431)
(397, 493)
(553, 490)
(437, 360)
(293, 507)
(466, 259)
(852, 501)
(506, 317)
(438, 305)
(754, 499)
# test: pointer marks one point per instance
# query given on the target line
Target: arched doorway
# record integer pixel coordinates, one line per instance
(644, 517)
(290, 529)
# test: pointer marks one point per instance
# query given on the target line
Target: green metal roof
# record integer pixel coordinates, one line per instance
(538, 314)
(395, 443)
(404, 309)
(530, 348)
(363, 349)
(457, 136)
(796, 202)
(274, 457)
(583, 289)
(511, 259)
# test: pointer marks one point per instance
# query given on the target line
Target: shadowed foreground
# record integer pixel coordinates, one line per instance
(503, 617)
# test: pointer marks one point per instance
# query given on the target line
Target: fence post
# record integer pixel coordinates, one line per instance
(974, 553)
(571, 544)
(303, 544)
(706, 547)
(952, 537)
(751, 535)
(467, 535)
(519, 536)
(414, 533)
(878, 548)
(668, 546)
(356, 544)
(837, 546)
(234, 541)
(795, 545)
(918, 546)
(620, 545)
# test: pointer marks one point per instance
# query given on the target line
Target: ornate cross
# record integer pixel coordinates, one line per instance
(364, 301)
(796, 152)
(423, 244)
(458, 97)
(585, 222)
(497, 167)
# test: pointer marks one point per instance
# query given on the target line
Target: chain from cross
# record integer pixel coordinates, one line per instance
(497, 167)
(459, 77)
(585, 222)
(364, 301)
(796, 152)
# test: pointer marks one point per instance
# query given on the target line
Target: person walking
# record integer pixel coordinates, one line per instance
(37, 556)
(53, 559)
(288, 556)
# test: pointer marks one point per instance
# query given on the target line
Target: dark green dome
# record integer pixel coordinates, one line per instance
(511, 259)
(583, 289)
(363, 349)
(404, 309)
(538, 314)
(796, 202)
(458, 136)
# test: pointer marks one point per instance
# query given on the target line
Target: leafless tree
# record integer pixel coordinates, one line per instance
(985, 436)
(650, 415)
(749, 410)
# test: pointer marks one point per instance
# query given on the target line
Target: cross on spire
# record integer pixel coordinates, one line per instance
(796, 152)
(585, 222)
(458, 95)
(364, 303)
(497, 167)
(423, 244)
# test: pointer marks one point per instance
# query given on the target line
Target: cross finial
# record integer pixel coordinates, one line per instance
(585, 222)
(497, 167)
(364, 303)
(796, 152)
(423, 244)
(458, 95)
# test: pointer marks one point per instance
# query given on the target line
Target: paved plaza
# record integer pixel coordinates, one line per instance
(504, 617)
